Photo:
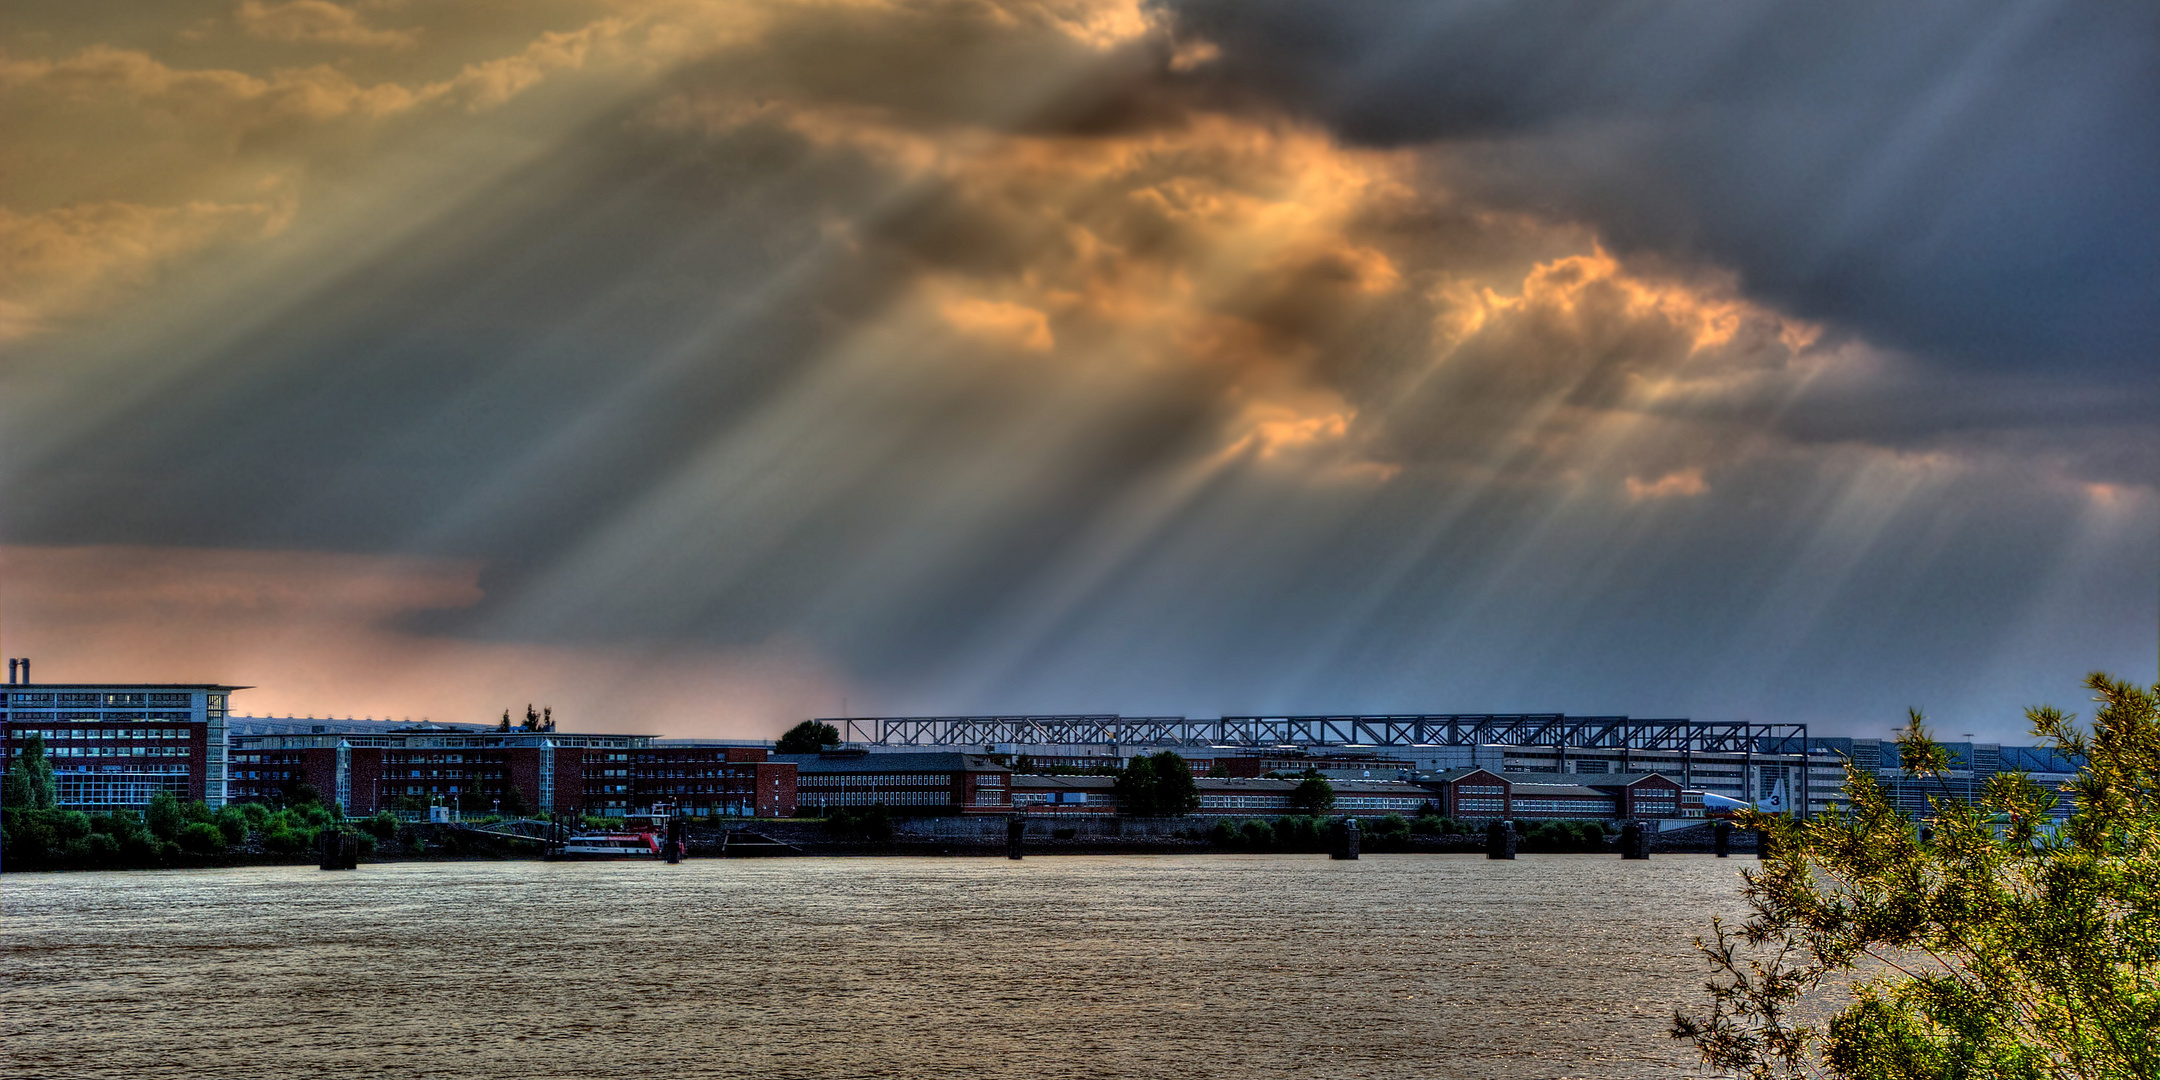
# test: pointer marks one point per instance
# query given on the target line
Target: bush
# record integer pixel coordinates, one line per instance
(283, 839)
(1302, 833)
(163, 815)
(382, 826)
(202, 838)
(1563, 836)
(232, 824)
(872, 823)
(1257, 835)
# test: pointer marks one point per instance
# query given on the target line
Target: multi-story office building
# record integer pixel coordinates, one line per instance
(116, 745)
(1971, 766)
(369, 766)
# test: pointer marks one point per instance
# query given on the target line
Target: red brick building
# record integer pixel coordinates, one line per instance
(475, 770)
(116, 745)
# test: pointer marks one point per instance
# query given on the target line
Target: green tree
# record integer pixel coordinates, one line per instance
(1160, 785)
(202, 838)
(29, 780)
(163, 816)
(514, 802)
(1993, 947)
(232, 825)
(1313, 796)
(1135, 788)
(808, 737)
(1176, 792)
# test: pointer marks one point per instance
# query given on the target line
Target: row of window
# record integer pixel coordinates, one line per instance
(1377, 802)
(878, 779)
(132, 768)
(77, 697)
(885, 798)
(1598, 806)
(96, 734)
(100, 792)
(110, 751)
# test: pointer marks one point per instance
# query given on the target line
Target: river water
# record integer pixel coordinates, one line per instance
(1115, 966)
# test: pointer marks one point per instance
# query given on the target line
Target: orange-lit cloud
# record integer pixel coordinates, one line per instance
(1685, 483)
(74, 258)
(317, 22)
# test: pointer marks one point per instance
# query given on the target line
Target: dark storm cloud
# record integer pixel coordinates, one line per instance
(1006, 361)
(1968, 181)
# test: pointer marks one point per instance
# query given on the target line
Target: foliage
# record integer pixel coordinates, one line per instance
(163, 815)
(870, 823)
(1563, 836)
(28, 783)
(514, 802)
(1389, 833)
(53, 839)
(382, 826)
(808, 737)
(232, 825)
(202, 838)
(1313, 795)
(1994, 948)
(1429, 824)
(1293, 833)
(1158, 786)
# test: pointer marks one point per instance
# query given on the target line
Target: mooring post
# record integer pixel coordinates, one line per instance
(1762, 843)
(1500, 840)
(678, 836)
(338, 850)
(1634, 841)
(1721, 839)
(1344, 833)
(1015, 832)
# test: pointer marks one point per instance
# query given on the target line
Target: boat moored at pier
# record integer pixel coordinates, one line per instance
(623, 845)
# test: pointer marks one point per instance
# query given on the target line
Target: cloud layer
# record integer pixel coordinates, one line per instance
(1089, 356)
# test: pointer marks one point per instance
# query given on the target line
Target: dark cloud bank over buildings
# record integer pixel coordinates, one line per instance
(1791, 363)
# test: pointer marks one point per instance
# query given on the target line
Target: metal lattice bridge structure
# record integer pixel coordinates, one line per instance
(1436, 729)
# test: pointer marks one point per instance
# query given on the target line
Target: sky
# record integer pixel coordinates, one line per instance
(696, 367)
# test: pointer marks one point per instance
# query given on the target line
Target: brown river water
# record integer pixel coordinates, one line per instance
(1116, 966)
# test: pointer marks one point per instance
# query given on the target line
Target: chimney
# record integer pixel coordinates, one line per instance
(26, 671)
(11, 662)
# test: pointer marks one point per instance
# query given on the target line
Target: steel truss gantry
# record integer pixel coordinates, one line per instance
(1419, 729)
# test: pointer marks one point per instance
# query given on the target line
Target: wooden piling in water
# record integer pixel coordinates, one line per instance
(1015, 832)
(1634, 841)
(1721, 839)
(1344, 837)
(1500, 840)
(338, 850)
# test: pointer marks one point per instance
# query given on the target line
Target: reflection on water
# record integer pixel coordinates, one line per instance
(1138, 966)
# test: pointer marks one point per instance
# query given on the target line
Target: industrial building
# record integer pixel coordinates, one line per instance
(116, 745)
(1219, 796)
(1481, 794)
(366, 766)
(923, 783)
